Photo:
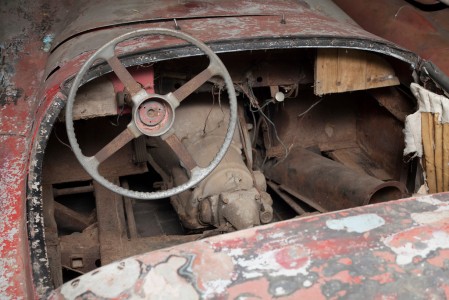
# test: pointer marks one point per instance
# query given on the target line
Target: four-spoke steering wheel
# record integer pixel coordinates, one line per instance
(152, 114)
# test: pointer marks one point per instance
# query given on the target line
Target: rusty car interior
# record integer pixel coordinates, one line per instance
(138, 129)
(318, 130)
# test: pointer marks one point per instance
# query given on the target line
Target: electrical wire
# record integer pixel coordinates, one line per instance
(301, 115)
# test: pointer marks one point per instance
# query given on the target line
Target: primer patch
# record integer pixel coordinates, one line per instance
(407, 246)
(360, 224)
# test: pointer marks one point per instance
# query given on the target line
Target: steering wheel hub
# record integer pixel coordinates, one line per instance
(154, 116)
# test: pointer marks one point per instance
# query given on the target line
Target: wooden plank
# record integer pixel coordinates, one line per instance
(69, 219)
(111, 223)
(51, 235)
(379, 73)
(427, 133)
(60, 165)
(438, 153)
(95, 99)
(343, 70)
(393, 101)
(326, 71)
(129, 211)
(446, 157)
(351, 70)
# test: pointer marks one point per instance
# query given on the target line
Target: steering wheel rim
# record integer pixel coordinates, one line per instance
(107, 53)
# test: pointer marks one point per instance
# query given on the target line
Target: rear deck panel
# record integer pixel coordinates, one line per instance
(395, 250)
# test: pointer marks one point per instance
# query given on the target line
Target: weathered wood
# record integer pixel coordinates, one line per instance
(61, 165)
(95, 99)
(351, 70)
(84, 246)
(111, 223)
(438, 153)
(446, 157)
(69, 219)
(393, 101)
(427, 132)
(129, 211)
(342, 70)
(51, 235)
(326, 71)
(379, 73)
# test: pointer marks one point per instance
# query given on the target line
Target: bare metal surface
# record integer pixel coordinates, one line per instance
(84, 246)
(330, 184)
(240, 208)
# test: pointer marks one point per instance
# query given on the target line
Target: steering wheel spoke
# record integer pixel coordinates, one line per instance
(133, 87)
(180, 150)
(193, 84)
(117, 143)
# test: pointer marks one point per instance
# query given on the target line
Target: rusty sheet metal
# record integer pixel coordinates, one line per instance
(28, 106)
(398, 250)
(87, 15)
(311, 26)
(22, 61)
(426, 33)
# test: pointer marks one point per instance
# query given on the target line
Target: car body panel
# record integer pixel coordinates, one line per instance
(398, 249)
(87, 15)
(424, 32)
(30, 102)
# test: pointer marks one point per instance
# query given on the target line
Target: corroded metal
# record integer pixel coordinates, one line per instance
(399, 249)
(330, 184)
(31, 97)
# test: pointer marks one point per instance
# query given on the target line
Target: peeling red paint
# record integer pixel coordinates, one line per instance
(355, 263)
(305, 245)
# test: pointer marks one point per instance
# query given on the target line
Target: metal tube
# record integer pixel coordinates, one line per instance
(73, 190)
(330, 184)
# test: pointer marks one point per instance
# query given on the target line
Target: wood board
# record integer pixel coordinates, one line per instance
(343, 70)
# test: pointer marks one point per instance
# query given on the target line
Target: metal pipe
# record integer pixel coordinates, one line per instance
(73, 190)
(330, 184)
(437, 75)
(290, 202)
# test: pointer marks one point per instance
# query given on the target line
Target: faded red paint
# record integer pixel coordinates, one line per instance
(301, 270)
(22, 115)
(292, 258)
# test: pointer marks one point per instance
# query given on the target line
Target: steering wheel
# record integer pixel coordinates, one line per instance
(152, 114)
